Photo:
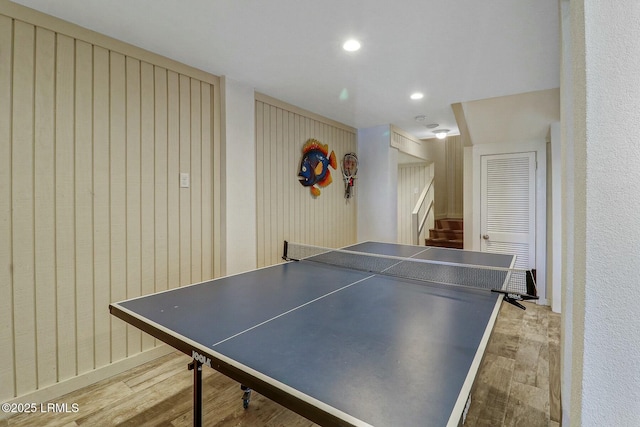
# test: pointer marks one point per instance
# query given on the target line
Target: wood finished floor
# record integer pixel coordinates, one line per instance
(518, 385)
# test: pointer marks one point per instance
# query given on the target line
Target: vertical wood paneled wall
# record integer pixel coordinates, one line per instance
(412, 178)
(454, 169)
(408, 144)
(448, 156)
(92, 142)
(286, 209)
(438, 155)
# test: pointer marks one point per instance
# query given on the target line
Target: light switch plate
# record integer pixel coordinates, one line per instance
(184, 180)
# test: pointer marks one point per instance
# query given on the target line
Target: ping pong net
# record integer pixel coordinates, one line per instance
(514, 283)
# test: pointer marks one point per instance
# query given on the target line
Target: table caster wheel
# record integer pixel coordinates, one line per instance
(246, 397)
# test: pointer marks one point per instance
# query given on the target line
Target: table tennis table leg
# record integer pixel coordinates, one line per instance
(196, 366)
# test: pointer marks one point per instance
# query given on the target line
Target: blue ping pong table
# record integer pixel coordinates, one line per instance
(339, 346)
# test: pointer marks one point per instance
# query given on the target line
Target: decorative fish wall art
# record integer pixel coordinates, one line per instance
(314, 166)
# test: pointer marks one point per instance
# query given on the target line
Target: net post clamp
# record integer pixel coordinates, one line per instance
(513, 297)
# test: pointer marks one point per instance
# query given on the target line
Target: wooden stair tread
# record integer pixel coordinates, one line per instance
(447, 233)
(449, 224)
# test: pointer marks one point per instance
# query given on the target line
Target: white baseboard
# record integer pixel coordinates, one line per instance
(72, 384)
(542, 301)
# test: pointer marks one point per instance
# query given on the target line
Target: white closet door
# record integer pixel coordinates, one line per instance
(508, 206)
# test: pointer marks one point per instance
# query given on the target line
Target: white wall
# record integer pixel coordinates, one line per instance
(377, 185)
(521, 117)
(567, 211)
(606, 253)
(238, 142)
(554, 236)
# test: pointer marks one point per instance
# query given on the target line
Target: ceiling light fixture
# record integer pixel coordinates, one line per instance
(420, 118)
(351, 45)
(441, 133)
(417, 95)
(432, 125)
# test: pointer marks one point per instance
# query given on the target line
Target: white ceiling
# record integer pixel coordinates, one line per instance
(452, 51)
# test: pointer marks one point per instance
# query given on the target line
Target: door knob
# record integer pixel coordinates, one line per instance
(485, 237)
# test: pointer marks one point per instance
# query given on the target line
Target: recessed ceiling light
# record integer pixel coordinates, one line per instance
(351, 45)
(441, 133)
(432, 125)
(417, 95)
(420, 118)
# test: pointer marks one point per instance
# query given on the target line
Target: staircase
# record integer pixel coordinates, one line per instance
(448, 233)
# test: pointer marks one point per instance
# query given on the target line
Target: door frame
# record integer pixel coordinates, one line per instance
(472, 193)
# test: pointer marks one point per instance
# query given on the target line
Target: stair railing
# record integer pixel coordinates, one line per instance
(424, 204)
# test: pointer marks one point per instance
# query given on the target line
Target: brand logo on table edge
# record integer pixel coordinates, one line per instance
(201, 358)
